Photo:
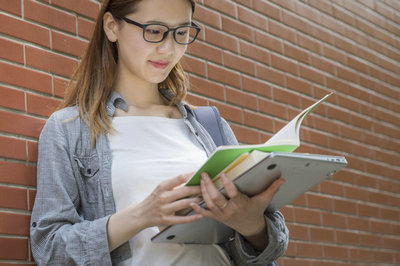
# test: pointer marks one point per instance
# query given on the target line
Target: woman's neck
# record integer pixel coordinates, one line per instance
(139, 93)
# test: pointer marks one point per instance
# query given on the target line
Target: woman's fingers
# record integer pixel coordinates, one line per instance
(181, 206)
(174, 182)
(266, 196)
(214, 199)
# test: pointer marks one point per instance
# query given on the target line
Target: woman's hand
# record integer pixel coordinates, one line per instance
(240, 212)
(157, 209)
(170, 196)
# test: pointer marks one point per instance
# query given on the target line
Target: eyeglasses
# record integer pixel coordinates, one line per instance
(156, 33)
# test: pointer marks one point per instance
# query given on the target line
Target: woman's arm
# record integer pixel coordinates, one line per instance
(59, 233)
(277, 237)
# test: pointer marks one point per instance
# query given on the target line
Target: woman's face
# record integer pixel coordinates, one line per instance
(151, 62)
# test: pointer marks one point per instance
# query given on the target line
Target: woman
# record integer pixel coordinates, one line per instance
(113, 160)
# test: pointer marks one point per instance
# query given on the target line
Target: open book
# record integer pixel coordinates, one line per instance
(237, 159)
(253, 168)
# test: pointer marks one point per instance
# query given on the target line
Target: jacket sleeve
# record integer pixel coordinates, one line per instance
(240, 251)
(59, 234)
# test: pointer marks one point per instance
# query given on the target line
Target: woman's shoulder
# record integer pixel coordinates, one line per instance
(65, 113)
(62, 120)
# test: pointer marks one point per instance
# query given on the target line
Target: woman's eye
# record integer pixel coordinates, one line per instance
(153, 31)
(182, 32)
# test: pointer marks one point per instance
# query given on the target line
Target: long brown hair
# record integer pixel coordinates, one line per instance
(92, 82)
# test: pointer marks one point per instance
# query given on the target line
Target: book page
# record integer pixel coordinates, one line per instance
(290, 133)
(285, 140)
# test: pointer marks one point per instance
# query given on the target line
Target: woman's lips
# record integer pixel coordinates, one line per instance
(161, 64)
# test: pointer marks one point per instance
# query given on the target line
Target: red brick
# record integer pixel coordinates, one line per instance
(14, 248)
(256, 86)
(336, 252)
(312, 75)
(309, 250)
(205, 51)
(16, 173)
(319, 33)
(281, 63)
(272, 108)
(221, 39)
(268, 41)
(208, 16)
(258, 121)
(67, 44)
(241, 98)
(207, 88)
(49, 16)
(12, 51)
(13, 7)
(246, 135)
(34, 80)
(194, 65)
(229, 112)
(85, 27)
(41, 105)
(32, 151)
(223, 75)
(299, 232)
(239, 63)
(322, 234)
(197, 100)
(31, 198)
(20, 124)
(252, 18)
(268, 9)
(333, 220)
(270, 74)
(281, 31)
(307, 216)
(225, 7)
(237, 29)
(51, 62)
(299, 85)
(322, 64)
(12, 98)
(84, 7)
(12, 147)
(296, 53)
(389, 214)
(300, 201)
(13, 198)
(319, 202)
(26, 31)
(287, 97)
(360, 254)
(60, 85)
(254, 52)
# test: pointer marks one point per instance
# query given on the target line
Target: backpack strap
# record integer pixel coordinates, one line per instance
(210, 119)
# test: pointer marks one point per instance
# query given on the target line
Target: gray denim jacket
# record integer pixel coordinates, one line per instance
(74, 197)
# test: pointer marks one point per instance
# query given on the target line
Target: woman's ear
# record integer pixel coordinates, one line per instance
(110, 27)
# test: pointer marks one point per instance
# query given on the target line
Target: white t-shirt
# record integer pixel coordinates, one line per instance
(147, 150)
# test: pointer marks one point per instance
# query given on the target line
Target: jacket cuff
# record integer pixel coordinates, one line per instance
(96, 242)
(278, 237)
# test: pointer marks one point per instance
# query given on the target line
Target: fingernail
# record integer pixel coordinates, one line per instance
(223, 176)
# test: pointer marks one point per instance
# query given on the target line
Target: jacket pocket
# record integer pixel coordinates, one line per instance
(89, 167)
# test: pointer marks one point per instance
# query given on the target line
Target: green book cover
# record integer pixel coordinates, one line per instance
(285, 140)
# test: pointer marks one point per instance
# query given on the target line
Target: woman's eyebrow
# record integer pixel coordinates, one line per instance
(169, 25)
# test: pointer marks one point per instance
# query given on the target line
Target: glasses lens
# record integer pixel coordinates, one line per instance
(154, 33)
(185, 34)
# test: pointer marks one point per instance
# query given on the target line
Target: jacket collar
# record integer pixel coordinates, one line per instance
(115, 101)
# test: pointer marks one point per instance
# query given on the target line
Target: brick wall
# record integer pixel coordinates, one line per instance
(260, 62)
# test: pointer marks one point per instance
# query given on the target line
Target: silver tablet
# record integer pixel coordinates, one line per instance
(301, 172)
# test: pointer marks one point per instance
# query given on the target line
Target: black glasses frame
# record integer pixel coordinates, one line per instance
(144, 26)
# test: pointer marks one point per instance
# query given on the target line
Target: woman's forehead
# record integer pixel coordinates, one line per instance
(174, 12)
